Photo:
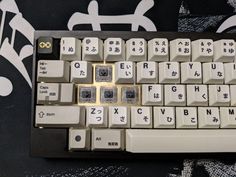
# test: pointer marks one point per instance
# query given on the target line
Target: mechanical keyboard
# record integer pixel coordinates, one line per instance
(121, 94)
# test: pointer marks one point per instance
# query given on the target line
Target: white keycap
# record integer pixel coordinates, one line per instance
(53, 71)
(70, 49)
(224, 50)
(96, 116)
(230, 74)
(141, 117)
(180, 50)
(92, 49)
(213, 73)
(219, 95)
(233, 95)
(228, 117)
(81, 72)
(107, 139)
(147, 72)
(175, 95)
(186, 117)
(79, 139)
(59, 116)
(197, 95)
(191, 72)
(158, 49)
(67, 93)
(208, 117)
(114, 49)
(169, 72)
(119, 117)
(136, 49)
(164, 117)
(48, 93)
(152, 94)
(124, 72)
(180, 141)
(202, 50)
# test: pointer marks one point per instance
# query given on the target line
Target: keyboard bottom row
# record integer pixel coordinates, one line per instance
(152, 141)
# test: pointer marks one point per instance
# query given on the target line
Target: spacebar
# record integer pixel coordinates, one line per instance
(180, 141)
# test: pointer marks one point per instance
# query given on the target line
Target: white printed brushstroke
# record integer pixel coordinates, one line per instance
(233, 4)
(228, 23)
(17, 24)
(137, 19)
(7, 89)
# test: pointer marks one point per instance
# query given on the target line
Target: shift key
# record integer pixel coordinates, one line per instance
(59, 116)
(107, 139)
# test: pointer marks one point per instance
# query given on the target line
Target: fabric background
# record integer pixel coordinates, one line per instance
(19, 18)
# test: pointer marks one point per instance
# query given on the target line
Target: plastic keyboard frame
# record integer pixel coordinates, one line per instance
(53, 142)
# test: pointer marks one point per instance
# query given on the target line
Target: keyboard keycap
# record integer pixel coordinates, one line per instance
(79, 139)
(141, 117)
(47, 48)
(191, 72)
(219, 95)
(48, 93)
(202, 50)
(228, 117)
(152, 94)
(164, 117)
(53, 71)
(180, 50)
(105, 139)
(70, 49)
(186, 117)
(67, 93)
(92, 49)
(233, 95)
(169, 72)
(224, 50)
(114, 49)
(81, 72)
(158, 49)
(213, 73)
(230, 73)
(175, 95)
(197, 95)
(119, 117)
(136, 49)
(147, 72)
(124, 72)
(96, 116)
(208, 117)
(59, 116)
(180, 141)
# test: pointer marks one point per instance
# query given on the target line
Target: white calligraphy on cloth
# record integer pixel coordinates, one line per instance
(7, 51)
(137, 19)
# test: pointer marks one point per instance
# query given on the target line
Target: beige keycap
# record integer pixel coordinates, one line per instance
(53, 71)
(92, 49)
(136, 49)
(119, 117)
(191, 72)
(197, 95)
(158, 49)
(70, 49)
(213, 73)
(228, 117)
(48, 93)
(107, 139)
(114, 49)
(164, 117)
(169, 72)
(183, 141)
(175, 95)
(125, 72)
(224, 50)
(219, 95)
(230, 74)
(81, 72)
(208, 117)
(141, 117)
(180, 50)
(186, 117)
(202, 50)
(233, 95)
(96, 116)
(59, 116)
(67, 93)
(147, 72)
(79, 139)
(152, 94)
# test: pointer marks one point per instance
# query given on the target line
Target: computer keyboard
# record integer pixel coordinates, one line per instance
(119, 94)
